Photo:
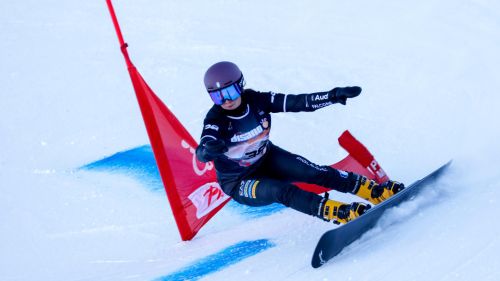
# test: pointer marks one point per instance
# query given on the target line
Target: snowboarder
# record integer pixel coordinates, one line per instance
(256, 172)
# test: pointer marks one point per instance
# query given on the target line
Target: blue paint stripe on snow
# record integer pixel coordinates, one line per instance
(219, 261)
(140, 164)
(254, 212)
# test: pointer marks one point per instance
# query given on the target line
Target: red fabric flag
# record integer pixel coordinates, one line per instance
(359, 161)
(191, 186)
(361, 154)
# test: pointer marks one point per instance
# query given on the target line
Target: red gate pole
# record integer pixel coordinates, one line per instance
(123, 45)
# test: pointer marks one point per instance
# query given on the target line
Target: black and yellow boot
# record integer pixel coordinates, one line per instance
(373, 192)
(341, 212)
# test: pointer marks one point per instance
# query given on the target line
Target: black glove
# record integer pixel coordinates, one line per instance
(213, 149)
(340, 95)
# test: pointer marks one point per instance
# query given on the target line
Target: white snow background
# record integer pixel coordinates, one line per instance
(430, 79)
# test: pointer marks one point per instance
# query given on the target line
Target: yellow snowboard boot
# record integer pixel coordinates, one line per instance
(376, 193)
(341, 212)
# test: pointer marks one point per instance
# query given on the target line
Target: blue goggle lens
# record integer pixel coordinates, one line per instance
(231, 92)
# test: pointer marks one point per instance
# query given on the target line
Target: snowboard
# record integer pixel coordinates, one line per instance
(334, 241)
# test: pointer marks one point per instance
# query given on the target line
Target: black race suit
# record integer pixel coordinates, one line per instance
(256, 172)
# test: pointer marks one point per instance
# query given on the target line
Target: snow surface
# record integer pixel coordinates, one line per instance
(430, 78)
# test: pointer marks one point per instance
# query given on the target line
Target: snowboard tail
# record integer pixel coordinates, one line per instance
(334, 241)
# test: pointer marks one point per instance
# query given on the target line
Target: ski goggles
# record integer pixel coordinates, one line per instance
(231, 92)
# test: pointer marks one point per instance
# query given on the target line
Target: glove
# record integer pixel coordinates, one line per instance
(340, 95)
(213, 149)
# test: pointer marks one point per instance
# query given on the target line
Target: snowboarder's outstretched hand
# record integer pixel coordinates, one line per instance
(340, 95)
(213, 149)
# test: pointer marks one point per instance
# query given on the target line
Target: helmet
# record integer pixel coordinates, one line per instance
(222, 75)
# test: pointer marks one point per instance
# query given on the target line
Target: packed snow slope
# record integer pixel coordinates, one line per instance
(429, 72)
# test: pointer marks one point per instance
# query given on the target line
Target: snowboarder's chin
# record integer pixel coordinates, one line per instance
(231, 105)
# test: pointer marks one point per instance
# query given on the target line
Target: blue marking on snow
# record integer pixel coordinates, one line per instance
(219, 261)
(255, 212)
(140, 164)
